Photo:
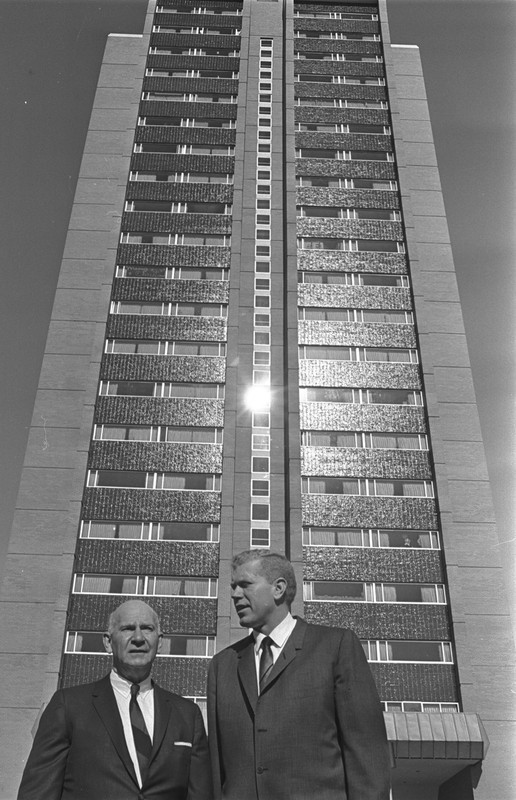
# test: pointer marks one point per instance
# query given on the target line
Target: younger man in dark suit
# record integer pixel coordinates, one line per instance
(123, 737)
(293, 711)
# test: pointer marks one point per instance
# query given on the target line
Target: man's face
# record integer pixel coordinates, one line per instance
(255, 598)
(134, 640)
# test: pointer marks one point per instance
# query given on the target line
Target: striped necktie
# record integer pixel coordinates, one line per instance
(266, 661)
(142, 740)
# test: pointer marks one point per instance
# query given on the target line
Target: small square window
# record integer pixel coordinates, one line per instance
(260, 464)
(261, 419)
(260, 537)
(262, 357)
(259, 511)
(261, 377)
(262, 337)
(261, 441)
(260, 488)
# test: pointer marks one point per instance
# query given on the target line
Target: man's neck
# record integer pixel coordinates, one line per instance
(277, 619)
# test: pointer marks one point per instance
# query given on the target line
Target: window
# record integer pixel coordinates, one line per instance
(375, 487)
(406, 441)
(166, 389)
(171, 644)
(353, 278)
(371, 354)
(356, 591)
(408, 651)
(150, 347)
(164, 585)
(389, 316)
(370, 537)
(165, 531)
(331, 394)
(180, 177)
(418, 706)
(163, 273)
(157, 433)
(135, 479)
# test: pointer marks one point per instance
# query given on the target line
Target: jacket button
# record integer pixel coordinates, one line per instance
(260, 770)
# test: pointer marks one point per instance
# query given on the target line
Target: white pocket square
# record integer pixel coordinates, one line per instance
(183, 744)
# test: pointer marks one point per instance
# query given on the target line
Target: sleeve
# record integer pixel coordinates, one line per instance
(44, 771)
(364, 745)
(199, 781)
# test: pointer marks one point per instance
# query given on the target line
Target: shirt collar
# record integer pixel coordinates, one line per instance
(123, 686)
(278, 635)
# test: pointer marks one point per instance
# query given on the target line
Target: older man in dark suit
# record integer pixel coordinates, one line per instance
(293, 711)
(123, 737)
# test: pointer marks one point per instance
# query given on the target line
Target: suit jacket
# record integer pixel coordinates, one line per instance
(316, 732)
(79, 751)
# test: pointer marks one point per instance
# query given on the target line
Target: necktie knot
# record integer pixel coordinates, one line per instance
(135, 688)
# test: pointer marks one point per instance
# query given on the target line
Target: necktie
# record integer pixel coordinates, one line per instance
(266, 661)
(142, 741)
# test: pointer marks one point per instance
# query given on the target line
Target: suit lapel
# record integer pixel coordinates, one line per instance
(292, 647)
(162, 711)
(105, 705)
(247, 671)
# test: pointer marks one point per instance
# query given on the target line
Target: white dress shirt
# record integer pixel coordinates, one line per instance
(145, 699)
(278, 637)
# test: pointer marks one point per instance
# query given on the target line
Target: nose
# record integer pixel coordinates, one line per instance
(236, 593)
(138, 637)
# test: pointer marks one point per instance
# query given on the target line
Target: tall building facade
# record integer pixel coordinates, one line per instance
(257, 342)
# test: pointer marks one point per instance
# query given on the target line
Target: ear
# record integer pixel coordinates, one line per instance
(280, 587)
(160, 642)
(106, 638)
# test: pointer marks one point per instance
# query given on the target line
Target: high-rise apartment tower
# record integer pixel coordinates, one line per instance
(257, 342)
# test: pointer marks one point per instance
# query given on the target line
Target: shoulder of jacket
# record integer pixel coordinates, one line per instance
(233, 650)
(325, 632)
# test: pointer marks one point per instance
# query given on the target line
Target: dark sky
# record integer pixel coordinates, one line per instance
(50, 54)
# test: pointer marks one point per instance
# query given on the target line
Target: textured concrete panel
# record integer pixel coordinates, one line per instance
(19, 583)
(57, 408)
(94, 217)
(21, 680)
(84, 273)
(465, 461)
(24, 627)
(77, 305)
(89, 190)
(435, 257)
(427, 202)
(454, 385)
(64, 372)
(471, 501)
(459, 421)
(40, 532)
(440, 317)
(51, 447)
(466, 545)
(88, 243)
(114, 166)
(483, 593)
(44, 488)
(444, 350)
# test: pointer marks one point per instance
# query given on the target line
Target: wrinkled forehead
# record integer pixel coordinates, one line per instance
(134, 612)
